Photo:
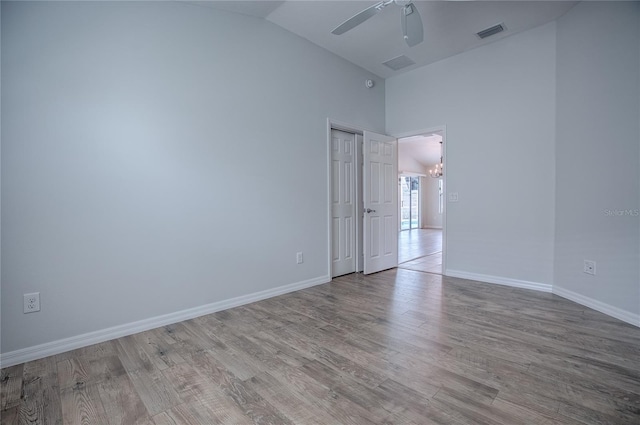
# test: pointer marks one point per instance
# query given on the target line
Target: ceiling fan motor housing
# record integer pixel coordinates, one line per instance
(412, 30)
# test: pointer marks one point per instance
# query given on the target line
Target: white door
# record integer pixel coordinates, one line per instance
(380, 202)
(343, 203)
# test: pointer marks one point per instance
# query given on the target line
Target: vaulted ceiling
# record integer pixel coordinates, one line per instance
(450, 27)
(424, 148)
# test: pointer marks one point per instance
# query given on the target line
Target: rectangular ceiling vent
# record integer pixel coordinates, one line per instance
(491, 31)
(399, 62)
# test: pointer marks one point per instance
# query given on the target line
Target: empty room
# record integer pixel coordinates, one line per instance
(208, 214)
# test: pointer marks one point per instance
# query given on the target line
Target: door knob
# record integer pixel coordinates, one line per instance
(369, 210)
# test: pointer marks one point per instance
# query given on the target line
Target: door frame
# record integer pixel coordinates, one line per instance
(349, 128)
(443, 129)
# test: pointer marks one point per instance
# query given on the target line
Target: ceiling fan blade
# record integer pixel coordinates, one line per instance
(359, 18)
(412, 25)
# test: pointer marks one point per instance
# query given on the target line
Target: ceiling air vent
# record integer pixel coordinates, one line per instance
(491, 31)
(399, 62)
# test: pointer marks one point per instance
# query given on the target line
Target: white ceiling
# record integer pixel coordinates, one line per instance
(450, 27)
(257, 8)
(425, 149)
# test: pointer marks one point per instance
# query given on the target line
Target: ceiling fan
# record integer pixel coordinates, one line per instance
(410, 18)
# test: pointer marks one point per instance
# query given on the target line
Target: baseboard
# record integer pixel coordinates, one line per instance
(432, 227)
(609, 310)
(625, 316)
(56, 347)
(516, 283)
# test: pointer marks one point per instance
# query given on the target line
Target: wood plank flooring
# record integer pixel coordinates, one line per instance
(397, 347)
(416, 243)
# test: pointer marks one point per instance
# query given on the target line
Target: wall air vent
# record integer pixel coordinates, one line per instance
(398, 62)
(491, 31)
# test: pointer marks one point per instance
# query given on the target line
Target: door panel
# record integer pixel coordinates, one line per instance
(374, 230)
(343, 203)
(380, 202)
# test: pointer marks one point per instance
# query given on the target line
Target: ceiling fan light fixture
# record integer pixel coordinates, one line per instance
(408, 9)
(412, 30)
(411, 21)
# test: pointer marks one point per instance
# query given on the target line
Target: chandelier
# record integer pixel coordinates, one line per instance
(438, 170)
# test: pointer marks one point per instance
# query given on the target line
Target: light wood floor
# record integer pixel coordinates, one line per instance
(420, 250)
(399, 347)
(417, 243)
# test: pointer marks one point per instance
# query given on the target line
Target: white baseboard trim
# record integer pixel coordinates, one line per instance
(625, 316)
(432, 227)
(56, 347)
(516, 283)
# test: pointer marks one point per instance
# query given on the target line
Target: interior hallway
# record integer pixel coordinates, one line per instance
(420, 250)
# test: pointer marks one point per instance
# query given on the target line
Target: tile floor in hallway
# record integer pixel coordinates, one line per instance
(429, 263)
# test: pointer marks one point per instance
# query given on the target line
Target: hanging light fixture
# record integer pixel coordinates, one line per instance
(438, 170)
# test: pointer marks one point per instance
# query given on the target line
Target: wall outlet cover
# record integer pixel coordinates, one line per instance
(31, 302)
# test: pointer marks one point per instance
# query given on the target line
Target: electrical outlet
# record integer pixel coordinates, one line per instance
(453, 196)
(32, 302)
(299, 258)
(590, 267)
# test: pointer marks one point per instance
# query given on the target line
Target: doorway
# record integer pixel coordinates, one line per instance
(421, 184)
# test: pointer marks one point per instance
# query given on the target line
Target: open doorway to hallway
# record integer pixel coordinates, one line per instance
(421, 226)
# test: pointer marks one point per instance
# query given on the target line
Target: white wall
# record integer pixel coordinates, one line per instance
(407, 162)
(498, 105)
(598, 151)
(431, 216)
(158, 157)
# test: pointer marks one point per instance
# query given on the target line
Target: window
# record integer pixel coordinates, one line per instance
(409, 202)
